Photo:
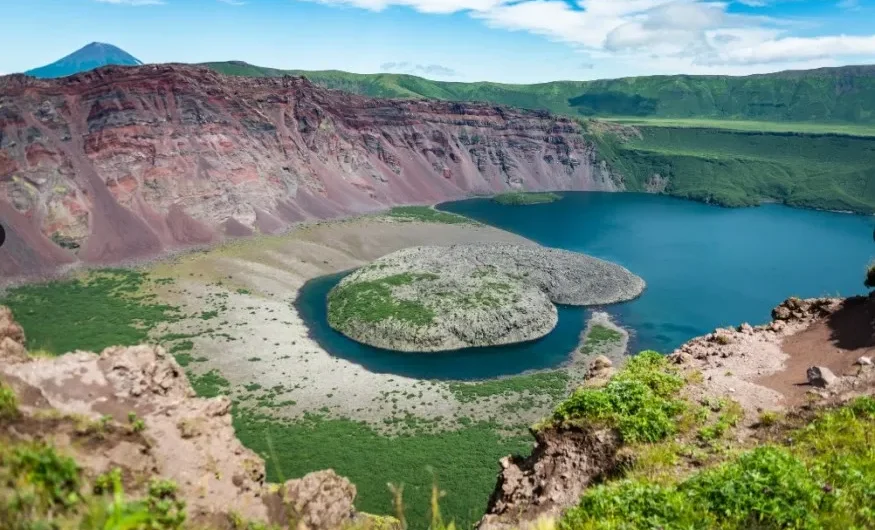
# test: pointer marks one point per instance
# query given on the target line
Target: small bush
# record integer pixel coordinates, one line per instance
(8, 403)
(43, 477)
(638, 401)
(731, 415)
(137, 424)
(633, 505)
(768, 418)
(765, 488)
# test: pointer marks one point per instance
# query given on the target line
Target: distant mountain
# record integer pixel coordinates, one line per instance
(92, 56)
(826, 95)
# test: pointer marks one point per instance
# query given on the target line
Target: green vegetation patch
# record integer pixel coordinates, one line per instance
(846, 129)
(210, 384)
(519, 198)
(824, 479)
(598, 337)
(463, 462)
(8, 402)
(104, 308)
(553, 384)
(40, 488)
(372, 301)
(741, 168)
(814, 96)
(425, 214)
(640, 401)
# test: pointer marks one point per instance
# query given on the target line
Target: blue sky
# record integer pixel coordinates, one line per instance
(515, 41)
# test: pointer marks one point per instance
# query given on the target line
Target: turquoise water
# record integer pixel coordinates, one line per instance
(704, 266)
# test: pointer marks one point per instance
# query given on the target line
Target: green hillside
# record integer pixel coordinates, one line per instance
(745, 168)
(826, 95)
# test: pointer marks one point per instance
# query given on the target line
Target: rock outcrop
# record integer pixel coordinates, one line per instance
(565, 461)
(186, 439)
(425, 299)
(126, 162)
(762, 368)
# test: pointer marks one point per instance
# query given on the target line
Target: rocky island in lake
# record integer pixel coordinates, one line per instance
(427, 299)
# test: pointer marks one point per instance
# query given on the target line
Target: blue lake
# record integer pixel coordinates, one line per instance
(705, 267)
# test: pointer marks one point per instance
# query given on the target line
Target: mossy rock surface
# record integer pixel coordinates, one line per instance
(426, 299)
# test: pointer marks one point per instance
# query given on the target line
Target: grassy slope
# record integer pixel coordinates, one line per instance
(829, 95)
(739, 168)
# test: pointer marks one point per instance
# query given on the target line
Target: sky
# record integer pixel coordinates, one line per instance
(512, 41)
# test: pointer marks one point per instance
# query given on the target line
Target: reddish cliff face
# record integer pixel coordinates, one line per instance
(127, 162)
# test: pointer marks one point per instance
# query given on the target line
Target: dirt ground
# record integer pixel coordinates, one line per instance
(765, 367)
(836, 342)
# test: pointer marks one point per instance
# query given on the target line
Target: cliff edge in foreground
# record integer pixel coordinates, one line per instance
(131, 409)
(768, 407)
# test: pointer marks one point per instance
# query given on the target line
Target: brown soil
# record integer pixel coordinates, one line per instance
(835, 342)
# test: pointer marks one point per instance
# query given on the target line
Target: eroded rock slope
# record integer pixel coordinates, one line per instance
(84, 403)
(126, 162)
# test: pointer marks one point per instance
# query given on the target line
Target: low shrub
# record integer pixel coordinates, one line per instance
(824, 479)
(8, 403)
(639, 401)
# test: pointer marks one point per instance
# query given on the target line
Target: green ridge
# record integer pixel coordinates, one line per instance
(834, 95)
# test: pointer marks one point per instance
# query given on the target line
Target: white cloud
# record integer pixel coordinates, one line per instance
(418, 69)
(423, 6)
(133, 2)
(688, 35)
(796, 49)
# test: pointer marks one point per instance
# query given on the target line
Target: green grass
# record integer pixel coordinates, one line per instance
(210, 384)
(836, 97)
(519, 198)
(372, 301)
(741, 168)
(598, 337)
(464, 462)
(425, 214)
(105, 308)
(640, 401)
(553, 384)
(823, 479)
(8, 402)
(41, 488)
(847, 129)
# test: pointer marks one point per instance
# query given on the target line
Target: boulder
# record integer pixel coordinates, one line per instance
(12, 352)
(864, 361)
(322, 500)
(821, 377)
(600, 368)
(9, 327)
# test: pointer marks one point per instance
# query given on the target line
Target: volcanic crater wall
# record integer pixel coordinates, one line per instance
(128, 162)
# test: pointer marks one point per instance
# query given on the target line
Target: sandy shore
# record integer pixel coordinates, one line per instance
(239, 298)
